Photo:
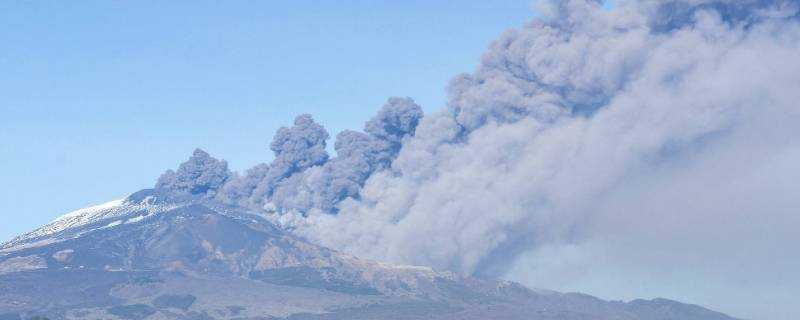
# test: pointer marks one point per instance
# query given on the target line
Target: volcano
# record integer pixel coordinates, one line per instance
(149, 256)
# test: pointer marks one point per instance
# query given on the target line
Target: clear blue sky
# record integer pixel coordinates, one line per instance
(97, 98)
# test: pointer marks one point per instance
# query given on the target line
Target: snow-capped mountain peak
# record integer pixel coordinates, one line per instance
(77, 222)
(150, 256)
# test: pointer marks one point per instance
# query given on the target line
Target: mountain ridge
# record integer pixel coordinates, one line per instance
(153, 256)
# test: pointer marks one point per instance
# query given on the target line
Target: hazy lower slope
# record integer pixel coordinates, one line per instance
(148, 258)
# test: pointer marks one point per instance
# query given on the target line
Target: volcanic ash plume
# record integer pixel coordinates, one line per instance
(570, 120)
(586, 124)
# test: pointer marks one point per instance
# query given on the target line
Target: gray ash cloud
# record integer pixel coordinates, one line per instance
(554, 140)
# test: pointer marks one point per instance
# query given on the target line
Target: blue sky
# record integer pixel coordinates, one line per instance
(97, 98)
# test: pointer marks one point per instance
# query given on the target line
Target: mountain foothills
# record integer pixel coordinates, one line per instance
(561, 118)
(160, 256)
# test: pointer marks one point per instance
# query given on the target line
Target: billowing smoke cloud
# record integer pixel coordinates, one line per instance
(397, 119)
(567, 111)
(303, 178)
(358, 156)
(201, 175)
(587, 128)
(560, 113)
(296, 149)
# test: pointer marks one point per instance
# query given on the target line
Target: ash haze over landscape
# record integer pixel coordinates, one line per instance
(640, 151)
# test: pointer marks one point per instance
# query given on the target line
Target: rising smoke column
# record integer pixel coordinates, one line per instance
(657, 132)
(566, 111)
(296, 149)
(303, 178)
(200, 176)
(359, 155)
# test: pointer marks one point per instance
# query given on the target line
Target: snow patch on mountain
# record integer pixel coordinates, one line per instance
(83, 221)
(90, 211)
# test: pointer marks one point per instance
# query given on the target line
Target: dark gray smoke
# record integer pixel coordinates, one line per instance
(659, 126)
(201, 175)
(397, 119)
(359, 155)
(299, 147)
(303, 178)
(536, 168)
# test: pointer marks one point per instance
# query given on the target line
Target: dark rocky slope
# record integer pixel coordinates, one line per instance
(149, 258)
